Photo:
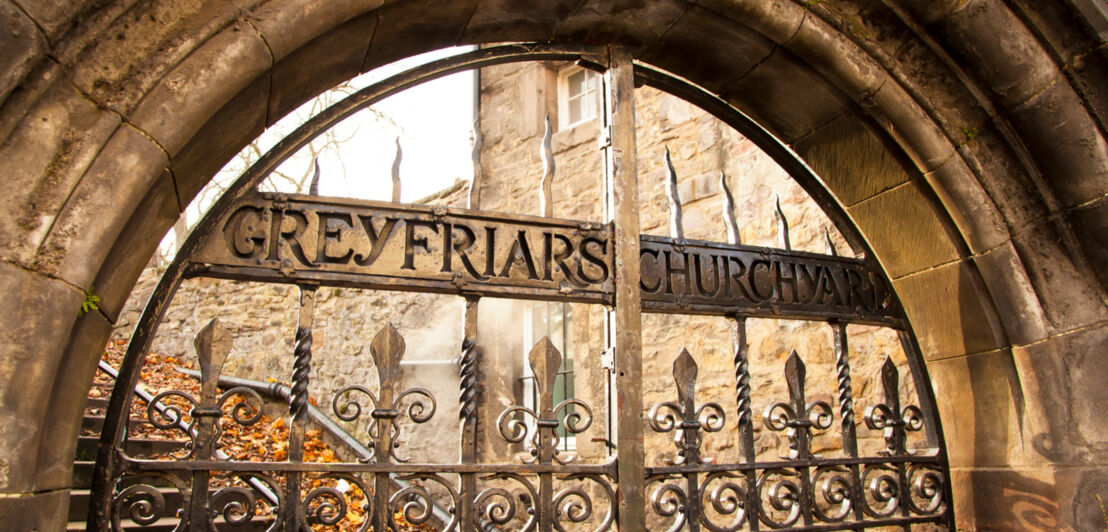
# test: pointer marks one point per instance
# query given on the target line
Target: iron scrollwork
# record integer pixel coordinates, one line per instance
(387, 349)
(543, 443)
(798, 416)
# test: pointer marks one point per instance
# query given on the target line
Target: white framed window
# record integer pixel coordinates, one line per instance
(578, 96)
(555, 321)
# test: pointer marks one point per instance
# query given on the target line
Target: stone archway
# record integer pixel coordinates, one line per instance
(972, 130)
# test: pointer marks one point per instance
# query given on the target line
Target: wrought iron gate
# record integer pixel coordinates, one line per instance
(312, 242)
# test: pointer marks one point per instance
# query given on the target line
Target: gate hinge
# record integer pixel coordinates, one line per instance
(605, 139)
(608, 359)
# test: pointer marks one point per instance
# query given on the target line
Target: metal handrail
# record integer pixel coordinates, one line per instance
(276, 390)
(147, 398)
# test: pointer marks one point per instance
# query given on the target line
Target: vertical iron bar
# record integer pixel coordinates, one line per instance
(396, 172)
(800, 431)
(298, 405)
(546, 194)
(468, 413)
(746, 425)
(846, 412)
(742, 372)
(387, 348)
(213, 343)
(926, 398)
(676, 220)
(622, 212)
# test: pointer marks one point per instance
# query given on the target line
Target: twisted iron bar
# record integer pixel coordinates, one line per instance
(842, 365)
(468, 374)
(742, 371)
(301, 366)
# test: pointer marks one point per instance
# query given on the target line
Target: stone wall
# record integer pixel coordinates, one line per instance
(514, 100)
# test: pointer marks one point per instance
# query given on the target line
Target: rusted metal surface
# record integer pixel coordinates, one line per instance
(621, 210)
(310, 242)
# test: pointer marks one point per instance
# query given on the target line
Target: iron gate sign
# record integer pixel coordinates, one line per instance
(273, 237)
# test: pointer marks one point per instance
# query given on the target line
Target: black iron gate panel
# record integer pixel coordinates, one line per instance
(312, 242)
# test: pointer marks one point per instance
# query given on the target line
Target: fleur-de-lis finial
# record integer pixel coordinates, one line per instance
(782, 227)
(387, 349)
(676, 226)
(546, 198)
(889, 416)
(797, 416)
(684, 414)
(396, 172)
(213, 344)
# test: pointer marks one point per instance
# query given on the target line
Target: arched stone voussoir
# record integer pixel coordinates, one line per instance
(50, 149)
(91, 219)
(175, 109)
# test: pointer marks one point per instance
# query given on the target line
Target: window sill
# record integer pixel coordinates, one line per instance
(575, 135)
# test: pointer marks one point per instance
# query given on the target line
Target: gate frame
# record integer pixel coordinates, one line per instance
(622, 75)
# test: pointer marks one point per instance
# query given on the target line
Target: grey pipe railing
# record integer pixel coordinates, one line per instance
(147, 398)
(280, 391)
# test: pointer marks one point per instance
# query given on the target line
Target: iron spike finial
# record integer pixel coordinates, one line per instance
(474, 200)
(684, 374)
(313, 186)
(676, 227)
(212, 343)
(387, 348)
(829, 244)
(782, 227)
(546, 199)
(729, 211)
(396, 172)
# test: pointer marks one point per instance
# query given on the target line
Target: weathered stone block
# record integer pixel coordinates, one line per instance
(971, 207)
(851, 159)
(35, 511)
(53, 16)
(130, 53)
(139, 238)
(517, 20)
(786, 96)
(21, 47)
(68, 398)
(326, 61)
(778, 20)
(1003, 176)
(120, 176)
(238, 123)
(717, 67)
(949, 312)
(30, 351)
(1066, 142)
(1090, 224)
(1006, 499)
(906, 231)
(399, 33)
(954, 106)
(287, 25)
(976, 396)
(630, 22)
(1070, 296)
(999, 49)
(917, 134)
(1013, 295)
(43, 161)
(837, 58)
(175, 109)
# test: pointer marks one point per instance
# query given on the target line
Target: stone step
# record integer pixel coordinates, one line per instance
(86, 447)
(96, 402)
(96, 423)
(168, 524)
